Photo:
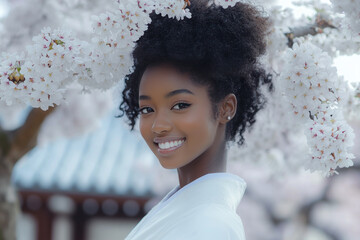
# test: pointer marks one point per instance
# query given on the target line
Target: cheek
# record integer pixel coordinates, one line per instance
(200, 125)
(145, 128)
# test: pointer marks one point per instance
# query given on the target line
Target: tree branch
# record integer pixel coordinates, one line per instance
(4, 142)
(23, 139)
(317, 28)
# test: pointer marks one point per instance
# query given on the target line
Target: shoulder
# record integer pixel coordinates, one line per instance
(211, 222)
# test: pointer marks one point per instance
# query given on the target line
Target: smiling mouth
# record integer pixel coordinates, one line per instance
(167, 147)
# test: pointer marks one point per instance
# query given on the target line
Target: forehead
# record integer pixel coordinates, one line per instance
(165, 77)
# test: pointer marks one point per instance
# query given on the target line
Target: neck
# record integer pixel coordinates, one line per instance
(211, 161)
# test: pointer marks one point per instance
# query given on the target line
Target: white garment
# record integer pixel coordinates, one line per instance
(204, 209)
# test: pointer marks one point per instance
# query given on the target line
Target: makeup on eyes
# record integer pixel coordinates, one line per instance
(185, 104)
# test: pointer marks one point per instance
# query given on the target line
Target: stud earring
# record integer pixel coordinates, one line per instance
(228, 117)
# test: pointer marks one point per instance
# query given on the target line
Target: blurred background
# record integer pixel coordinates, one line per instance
(96, 186)
(90, 178)
(99, 185)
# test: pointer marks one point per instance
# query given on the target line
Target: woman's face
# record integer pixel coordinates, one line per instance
(176, 118)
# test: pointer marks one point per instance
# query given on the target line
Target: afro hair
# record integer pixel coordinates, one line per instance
(219, 48)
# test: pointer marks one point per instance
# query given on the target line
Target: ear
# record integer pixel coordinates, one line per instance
(227, 108)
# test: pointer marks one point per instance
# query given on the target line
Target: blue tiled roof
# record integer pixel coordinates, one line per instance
(110, 160)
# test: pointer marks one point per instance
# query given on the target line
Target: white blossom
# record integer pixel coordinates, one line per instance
(226, 3)
(352, 108)
(351, 23)
(13, 86)
(334, 42)
(282, 143)
(330, 138)
(172, 8)
(50, 66)
(115, 33)
(309, 81)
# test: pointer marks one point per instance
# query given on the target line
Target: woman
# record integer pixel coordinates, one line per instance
(196, 87)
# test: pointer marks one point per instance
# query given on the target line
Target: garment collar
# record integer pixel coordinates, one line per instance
(212, 188)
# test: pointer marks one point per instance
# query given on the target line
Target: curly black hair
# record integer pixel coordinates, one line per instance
(218, 47)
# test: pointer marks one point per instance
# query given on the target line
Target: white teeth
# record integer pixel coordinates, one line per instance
(167, 145)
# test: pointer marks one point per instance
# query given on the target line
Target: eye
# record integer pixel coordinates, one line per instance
(181, 105)
(145, 110)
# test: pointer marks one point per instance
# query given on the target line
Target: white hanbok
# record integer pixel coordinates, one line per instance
(203, 209)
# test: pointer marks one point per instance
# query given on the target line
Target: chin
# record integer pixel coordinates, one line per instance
(169, 167)
(165, 164)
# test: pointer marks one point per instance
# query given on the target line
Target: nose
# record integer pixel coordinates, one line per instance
(161, 124)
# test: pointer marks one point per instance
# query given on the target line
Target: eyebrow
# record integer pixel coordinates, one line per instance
(170, 94)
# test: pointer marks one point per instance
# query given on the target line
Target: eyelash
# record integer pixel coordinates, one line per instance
(186, 106)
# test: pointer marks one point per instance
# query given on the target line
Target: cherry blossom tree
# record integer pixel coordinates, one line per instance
(57, 51)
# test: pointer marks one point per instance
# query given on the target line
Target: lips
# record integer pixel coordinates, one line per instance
(166, 146)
